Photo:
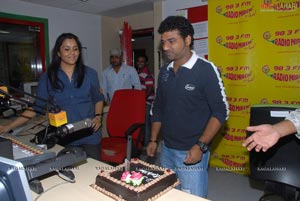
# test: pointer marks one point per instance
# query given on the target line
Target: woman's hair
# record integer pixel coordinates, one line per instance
(79, 70)
(179, 23)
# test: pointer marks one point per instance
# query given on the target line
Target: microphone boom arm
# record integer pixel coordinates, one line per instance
(55, 107)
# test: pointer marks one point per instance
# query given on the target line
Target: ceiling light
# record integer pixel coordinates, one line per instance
(4, 32)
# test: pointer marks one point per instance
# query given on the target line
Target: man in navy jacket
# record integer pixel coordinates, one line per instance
(189, 108)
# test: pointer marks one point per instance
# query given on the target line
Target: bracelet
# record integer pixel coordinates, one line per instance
(98, 115)
(155, 141)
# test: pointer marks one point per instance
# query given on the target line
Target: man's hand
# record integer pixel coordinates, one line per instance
(151, 148)
(264, 137)
(194, 155)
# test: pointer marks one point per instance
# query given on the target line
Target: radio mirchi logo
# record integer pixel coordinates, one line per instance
(282, 73)
(283, 38)
(236, 10)
(243, 41)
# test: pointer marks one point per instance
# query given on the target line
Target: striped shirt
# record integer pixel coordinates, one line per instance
(294, 117)
(147, 80)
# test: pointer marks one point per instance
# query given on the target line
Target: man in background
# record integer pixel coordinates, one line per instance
(118, 75)
(147, 82)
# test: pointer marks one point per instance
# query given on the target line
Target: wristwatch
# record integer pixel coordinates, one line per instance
(204, 147)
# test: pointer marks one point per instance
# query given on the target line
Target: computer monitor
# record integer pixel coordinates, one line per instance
(280, 164)
(13, 181)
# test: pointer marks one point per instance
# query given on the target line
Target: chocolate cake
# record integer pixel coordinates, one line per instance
(156, 181)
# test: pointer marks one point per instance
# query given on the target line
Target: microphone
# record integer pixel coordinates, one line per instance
(4, 96)
(62, 134)
(57, 117)
(74, 127)
(3, 91)
(5, 103)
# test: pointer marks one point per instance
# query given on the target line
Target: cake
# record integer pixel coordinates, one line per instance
(143, 181)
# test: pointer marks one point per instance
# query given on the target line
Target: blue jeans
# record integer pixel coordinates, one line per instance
(193, 178)
(147, 125)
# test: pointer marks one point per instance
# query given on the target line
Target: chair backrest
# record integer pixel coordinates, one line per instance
(128, 106)
(281, 162)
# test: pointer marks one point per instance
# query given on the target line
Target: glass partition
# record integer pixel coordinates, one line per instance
(23, 49)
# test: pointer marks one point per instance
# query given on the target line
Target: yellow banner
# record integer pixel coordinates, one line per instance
(256, 46)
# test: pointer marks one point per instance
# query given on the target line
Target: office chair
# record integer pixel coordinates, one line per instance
(279, 167)
(125, 120)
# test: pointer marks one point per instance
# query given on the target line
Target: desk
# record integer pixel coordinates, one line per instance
(31, 127)
(85, 175)
(58, 189)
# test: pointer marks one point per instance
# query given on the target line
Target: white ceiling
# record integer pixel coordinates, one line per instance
(111, 8)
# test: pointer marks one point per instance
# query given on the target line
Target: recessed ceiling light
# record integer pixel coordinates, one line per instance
(84, 0)
(4, 32)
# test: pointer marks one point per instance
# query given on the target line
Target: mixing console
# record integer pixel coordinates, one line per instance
(27, 153)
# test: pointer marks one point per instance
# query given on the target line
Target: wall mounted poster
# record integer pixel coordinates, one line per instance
(256, 46)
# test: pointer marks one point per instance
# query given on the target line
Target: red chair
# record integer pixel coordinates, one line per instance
(126, 117)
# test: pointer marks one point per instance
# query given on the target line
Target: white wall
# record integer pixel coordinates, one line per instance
(135, 20)
(162, 10)
(170, 6)
(86, 26)
(111, 27)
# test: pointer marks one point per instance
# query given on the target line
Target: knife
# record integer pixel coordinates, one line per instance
(128, 153)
